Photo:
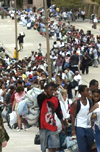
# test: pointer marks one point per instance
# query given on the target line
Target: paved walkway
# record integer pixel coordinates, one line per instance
(31, 41)
(24, 141)
(32, 38)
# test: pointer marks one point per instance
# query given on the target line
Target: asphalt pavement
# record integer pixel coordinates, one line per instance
(24, 141)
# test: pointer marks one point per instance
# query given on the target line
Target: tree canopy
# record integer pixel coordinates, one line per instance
(67, 3)
(7, 2)
(71, 3)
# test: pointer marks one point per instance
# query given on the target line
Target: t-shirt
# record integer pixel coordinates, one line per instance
(20, 38)
(1, 98)
(49, 108)
(18, 96)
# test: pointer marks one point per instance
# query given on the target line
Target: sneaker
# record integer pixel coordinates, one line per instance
(26, 129)
(18, 130)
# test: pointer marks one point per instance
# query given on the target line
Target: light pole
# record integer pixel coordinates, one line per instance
(47, 38)
(16, 30)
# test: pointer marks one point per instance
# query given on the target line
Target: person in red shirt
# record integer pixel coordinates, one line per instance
(49, 105)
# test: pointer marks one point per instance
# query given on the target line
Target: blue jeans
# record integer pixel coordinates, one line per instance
(97, 137)
(85, 139)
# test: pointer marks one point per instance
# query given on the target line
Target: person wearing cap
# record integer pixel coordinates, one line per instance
(28, 85)
(49, 106)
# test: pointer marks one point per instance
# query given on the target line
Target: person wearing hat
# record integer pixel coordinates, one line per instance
(28, 86)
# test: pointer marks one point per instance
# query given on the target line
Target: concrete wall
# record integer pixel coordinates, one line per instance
(91, 8)
(37, 3)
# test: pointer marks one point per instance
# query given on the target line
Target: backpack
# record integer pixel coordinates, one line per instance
(78, 106)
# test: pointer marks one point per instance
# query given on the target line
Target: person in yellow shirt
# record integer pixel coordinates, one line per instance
(14, 56)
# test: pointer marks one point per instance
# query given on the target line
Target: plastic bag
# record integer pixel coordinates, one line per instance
(71, 144)
(4, 113)
(37, 139)
(32, 116)
(22, 108)
(13, 118)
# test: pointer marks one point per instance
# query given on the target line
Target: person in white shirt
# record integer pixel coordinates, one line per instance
(40, 49)
(64, 107)
(95, 55)
(95, 21)
(29, 25)
(64, 15)
(12, 16)
(7, 60)
(3, 91)
(95, 117)
(83, 131)
(32, 56)
(78, 79)
(29, 72)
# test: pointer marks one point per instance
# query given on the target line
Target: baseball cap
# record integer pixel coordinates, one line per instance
(28, 84)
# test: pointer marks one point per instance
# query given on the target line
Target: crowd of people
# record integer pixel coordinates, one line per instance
(73, 50)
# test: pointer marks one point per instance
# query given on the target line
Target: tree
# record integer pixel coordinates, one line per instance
(68, 3)
(7, 3)
(98, 1)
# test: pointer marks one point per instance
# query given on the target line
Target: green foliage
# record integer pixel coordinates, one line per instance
(98, 1)
(20, 3)
(67, 3)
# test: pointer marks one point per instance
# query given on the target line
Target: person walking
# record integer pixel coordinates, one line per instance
(85, 63)
(21, 40)
(49, 105)
(95, 21)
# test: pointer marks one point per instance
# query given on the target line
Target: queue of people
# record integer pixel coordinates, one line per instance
(84, 118)
(73, 50)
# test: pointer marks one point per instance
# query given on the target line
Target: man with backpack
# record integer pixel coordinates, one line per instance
(80, 112)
